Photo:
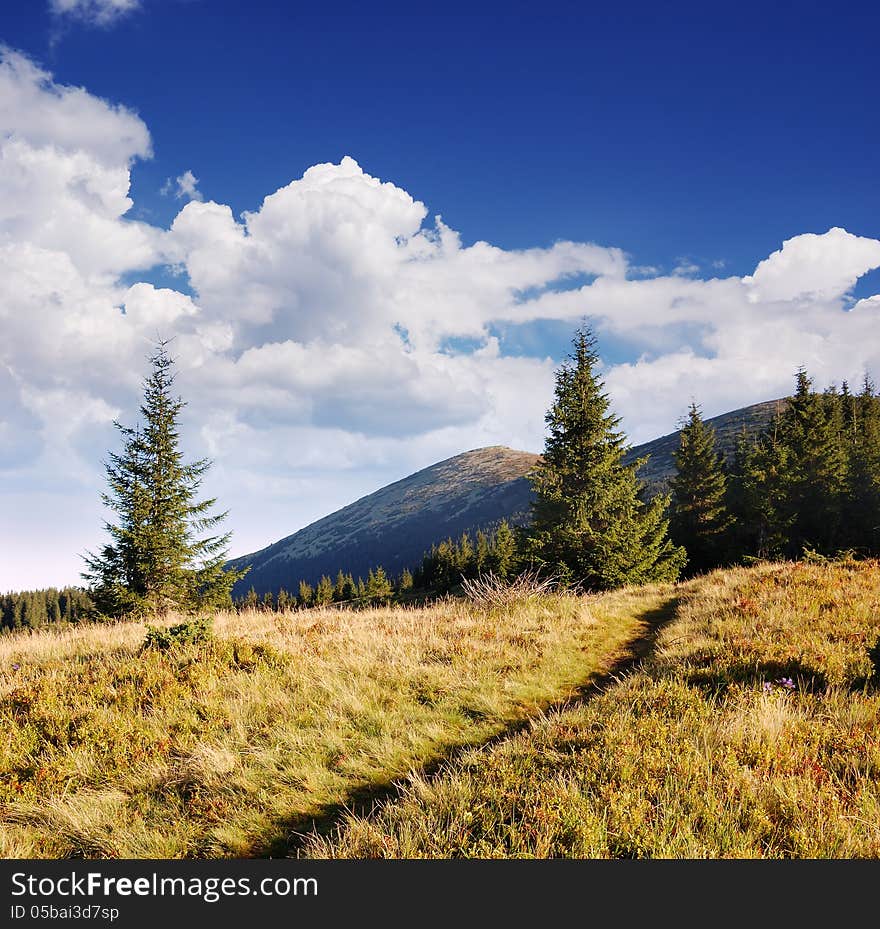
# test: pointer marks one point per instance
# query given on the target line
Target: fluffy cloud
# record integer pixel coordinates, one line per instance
(808, 267)
(338, 337)
(98, 12)
(184, 187)
(46, 114)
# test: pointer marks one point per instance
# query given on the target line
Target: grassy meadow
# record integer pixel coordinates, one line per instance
(751, 730)
(233, 746)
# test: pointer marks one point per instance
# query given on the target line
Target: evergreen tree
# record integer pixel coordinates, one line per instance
(54, 607)
(306, 594)
(285, 601)
(445, 568)
(339, 587)
(406, 581)
(502, 557)
(465, 557)
(816, 467)
(379, 589)
(155, 560)
(861, 509)
(757, 494)
(588, 523)
(324, 591)
(699, 519)
(481, 553)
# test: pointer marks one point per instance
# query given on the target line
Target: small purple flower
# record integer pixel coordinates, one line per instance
(15, 667)
(786, 682)
(767, 687)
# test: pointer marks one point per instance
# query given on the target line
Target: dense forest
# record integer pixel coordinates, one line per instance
(31, 609)
(808, 483)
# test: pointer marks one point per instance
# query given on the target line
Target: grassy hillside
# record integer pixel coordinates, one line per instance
(230, 747)
(753, 730)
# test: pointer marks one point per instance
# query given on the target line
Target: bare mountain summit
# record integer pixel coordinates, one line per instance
(394, 526)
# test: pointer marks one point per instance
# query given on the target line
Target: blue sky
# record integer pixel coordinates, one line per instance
(670, 130)
(701, 181)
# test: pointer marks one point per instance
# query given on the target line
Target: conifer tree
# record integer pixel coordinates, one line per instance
(339, 587)
(757, 495)
(378, 588)
(251, 600)
(324, 591)
(588, 524)
(306, 594)
(156, 560)
(464, 556)
(481, 552)
(861, 510)
(811, 434)
(699, 519)
(502, 557)
(406, 581)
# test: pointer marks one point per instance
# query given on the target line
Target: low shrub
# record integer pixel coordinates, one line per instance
(192, 632)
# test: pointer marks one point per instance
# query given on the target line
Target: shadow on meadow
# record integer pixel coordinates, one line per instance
(367, 799)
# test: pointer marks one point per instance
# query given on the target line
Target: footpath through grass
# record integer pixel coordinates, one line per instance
(753, 730)
(229, 747)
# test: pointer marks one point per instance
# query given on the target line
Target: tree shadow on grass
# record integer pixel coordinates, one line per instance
(364, 799)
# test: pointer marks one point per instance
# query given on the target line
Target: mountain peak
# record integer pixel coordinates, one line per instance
(396, 524)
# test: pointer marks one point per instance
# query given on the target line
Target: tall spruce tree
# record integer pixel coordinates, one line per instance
(757, 494)
(861, 509)
(811, 432)
(699, 519)
(157, 558)
(589, 525)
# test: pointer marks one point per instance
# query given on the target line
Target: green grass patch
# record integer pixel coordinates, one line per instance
(226, 745)
(752, 731)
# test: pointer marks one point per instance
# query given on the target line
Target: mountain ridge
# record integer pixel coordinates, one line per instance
(476, 489)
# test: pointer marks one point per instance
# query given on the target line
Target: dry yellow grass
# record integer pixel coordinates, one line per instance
(224, 748)
(752, 731)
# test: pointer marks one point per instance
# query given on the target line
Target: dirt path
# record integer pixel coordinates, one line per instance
(363, 802)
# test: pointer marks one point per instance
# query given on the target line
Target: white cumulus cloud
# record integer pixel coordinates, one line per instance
(338, 336)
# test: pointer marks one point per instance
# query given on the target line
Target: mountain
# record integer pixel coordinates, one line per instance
(661, 466)
(394, 526)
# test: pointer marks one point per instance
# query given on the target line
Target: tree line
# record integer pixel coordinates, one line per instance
(31, 609)
(809, 482)
(441, 570)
